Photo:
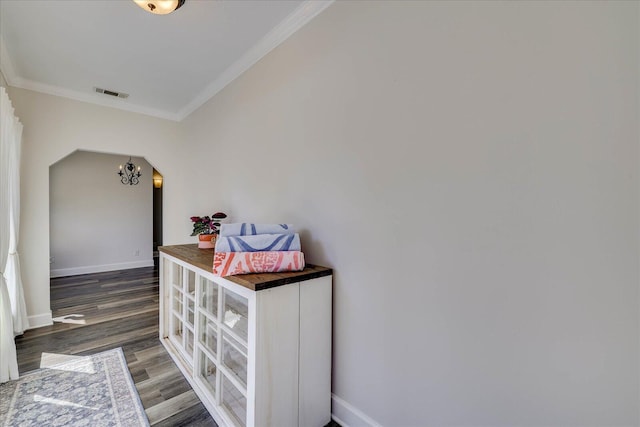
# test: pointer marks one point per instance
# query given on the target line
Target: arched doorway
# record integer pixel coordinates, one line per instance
(98, 223)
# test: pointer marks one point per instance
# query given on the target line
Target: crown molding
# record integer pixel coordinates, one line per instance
(6, 65)
(292, 23)
(92, 98)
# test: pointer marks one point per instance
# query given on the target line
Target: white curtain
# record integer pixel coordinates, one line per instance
(12, 270)
(8, 125)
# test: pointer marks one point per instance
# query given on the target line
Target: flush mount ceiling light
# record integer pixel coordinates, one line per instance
(159, 7)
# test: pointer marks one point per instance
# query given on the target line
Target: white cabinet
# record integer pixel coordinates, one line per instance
(255, 348)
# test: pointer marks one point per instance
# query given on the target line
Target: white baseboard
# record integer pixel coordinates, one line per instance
(40, 320)
(348, 415)
(74, 271)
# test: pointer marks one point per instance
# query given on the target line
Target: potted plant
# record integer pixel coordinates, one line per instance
(207, 229)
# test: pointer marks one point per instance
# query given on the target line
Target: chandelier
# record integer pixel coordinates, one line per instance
(130, 173)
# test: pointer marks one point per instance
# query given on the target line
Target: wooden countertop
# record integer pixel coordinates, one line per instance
(203, 258)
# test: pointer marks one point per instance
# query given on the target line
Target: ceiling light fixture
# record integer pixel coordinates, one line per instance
(129, 174)
(159, 7)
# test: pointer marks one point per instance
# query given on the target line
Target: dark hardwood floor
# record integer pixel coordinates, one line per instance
(117, 309)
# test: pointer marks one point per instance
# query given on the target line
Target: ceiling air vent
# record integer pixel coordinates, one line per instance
(111, 92)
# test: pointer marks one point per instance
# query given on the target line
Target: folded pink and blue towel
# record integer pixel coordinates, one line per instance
(248, 229)
(244, 248)
(258, 243)
(231, 263)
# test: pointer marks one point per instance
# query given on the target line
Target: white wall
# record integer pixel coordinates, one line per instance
(470, 170)
(96, 222)
(3, 82)
(55, 127)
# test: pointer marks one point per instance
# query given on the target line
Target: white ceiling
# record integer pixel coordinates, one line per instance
(169, 64)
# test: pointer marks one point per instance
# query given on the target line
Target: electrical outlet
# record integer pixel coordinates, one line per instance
(136, 252)
(52, 259)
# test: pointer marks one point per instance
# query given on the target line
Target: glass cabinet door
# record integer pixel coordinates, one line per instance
(181, 283)
(207, 323)
(221, 349)
(189, 314)
(176, 302)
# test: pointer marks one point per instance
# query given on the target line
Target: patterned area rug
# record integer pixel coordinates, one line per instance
(87, 391)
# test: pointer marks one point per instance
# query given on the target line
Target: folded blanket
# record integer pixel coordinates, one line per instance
(232, 263)
(259, 243)
(246, 229)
